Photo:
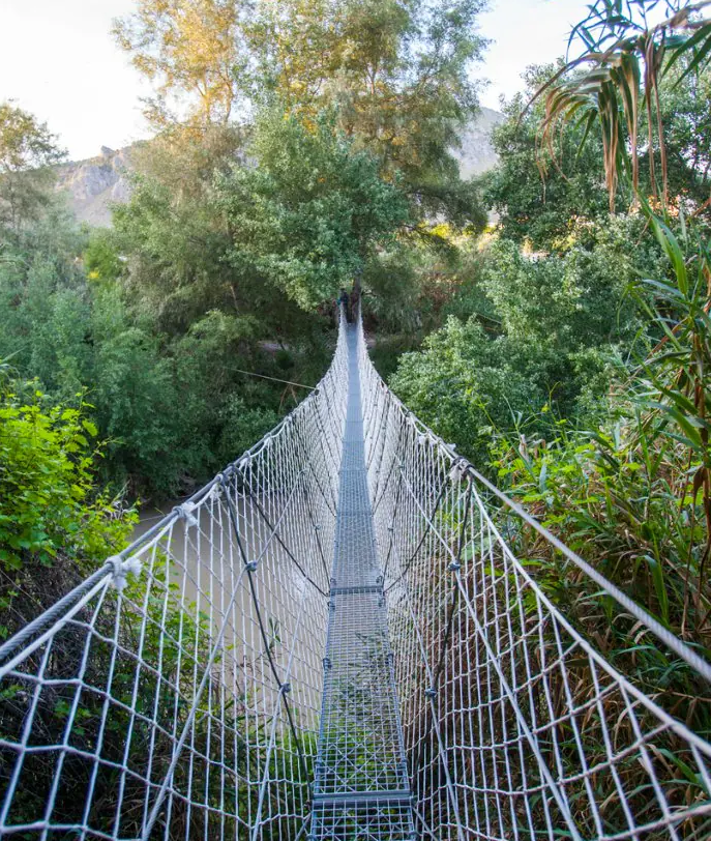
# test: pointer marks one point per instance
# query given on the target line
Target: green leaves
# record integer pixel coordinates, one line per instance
(626, 57)
(48, 504)
(27, 150)
(307, 227)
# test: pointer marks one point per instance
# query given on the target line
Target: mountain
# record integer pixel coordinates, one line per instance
(94, 184)
(477, 154)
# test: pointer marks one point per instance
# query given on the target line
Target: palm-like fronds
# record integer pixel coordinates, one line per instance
(624, 59)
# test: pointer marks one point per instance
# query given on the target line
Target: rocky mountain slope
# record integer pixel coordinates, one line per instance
(477, 154)
(96, 183)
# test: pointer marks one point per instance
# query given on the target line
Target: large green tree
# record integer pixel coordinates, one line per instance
(192, 53)
(398, 73)
(542, 194)
(308, 228)
(28, 150)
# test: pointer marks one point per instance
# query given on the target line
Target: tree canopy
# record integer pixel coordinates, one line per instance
(27, 151)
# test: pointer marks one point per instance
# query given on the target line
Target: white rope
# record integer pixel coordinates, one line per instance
(540, 735)
(177, 691)
(144, 701)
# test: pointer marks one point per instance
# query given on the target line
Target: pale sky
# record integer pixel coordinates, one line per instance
(58, 60)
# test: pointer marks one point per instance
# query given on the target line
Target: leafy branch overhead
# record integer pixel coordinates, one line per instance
(629, 46)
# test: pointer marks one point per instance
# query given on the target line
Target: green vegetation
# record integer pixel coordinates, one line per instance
(565, 348)
(239, 233)
(54, 526)
(576, 371)
(303, 144)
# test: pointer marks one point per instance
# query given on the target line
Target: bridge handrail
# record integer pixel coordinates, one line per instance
(463, 465)
(433, 477)
(115, 568)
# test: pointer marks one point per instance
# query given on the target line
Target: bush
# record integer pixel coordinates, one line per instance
(54, 522)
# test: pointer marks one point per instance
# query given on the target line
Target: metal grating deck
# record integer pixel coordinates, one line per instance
(361, 787)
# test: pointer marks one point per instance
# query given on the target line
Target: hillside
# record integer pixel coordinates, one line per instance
(95, 183)
(477, 154)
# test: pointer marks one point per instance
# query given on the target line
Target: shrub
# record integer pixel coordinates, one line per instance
(54, 522)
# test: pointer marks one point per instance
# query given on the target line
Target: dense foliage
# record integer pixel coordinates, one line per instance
(304, 144)
(575, 368)
(53, 523)
(298, 145)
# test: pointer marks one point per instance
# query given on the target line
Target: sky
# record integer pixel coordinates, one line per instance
(58, 60)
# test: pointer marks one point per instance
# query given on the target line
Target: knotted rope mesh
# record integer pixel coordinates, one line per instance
(182, 702)
(515, 727)
(301, 651)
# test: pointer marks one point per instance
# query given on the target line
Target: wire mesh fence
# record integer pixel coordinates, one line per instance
(515, 726)
(176, 692)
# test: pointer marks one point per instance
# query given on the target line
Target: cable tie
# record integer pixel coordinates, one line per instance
(252, 566)
(455, 566)
(430, 693)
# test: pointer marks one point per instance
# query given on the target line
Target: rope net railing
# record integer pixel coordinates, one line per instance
(341, 637)
(176, 692)
(515, 726)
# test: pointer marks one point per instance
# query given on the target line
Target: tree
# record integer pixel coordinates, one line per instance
(398, 71)
(192, 51)
(27, 151)
(627, 54)
(542, 195)
(685, 103)
(307, 228)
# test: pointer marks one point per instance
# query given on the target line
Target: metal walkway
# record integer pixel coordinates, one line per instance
(361, 786)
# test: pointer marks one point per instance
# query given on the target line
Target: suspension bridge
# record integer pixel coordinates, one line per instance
(336, 639)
